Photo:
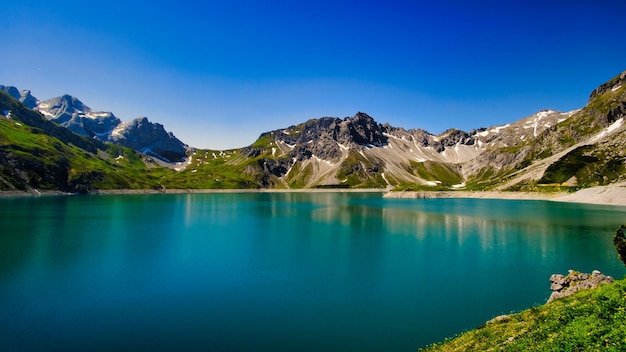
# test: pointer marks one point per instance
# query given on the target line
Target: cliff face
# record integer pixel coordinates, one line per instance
(150, 139)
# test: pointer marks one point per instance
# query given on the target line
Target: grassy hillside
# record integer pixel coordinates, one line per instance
(29, 158)
(592, 320)
(38, 154)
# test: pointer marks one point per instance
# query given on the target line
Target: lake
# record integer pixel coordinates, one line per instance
(281, 271)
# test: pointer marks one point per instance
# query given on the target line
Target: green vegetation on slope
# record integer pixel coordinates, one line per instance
(211, 169)
(359, 172)
(447, 174)
(590, 165)
(591, 320)
(31, 158)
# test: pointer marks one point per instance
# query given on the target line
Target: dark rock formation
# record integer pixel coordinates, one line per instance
(619, 240)
(610, 85)
(150, 139)
(563, 286)
(24, 96)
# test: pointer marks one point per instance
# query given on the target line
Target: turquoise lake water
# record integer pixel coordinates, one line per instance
(281, 271)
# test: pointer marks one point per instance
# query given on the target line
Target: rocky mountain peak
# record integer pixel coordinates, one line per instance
(28, 99)
(361, 129)
(139, 134)
(149, 138)
(12, 91)
(61, 109)
(24, 96)
(613, 85)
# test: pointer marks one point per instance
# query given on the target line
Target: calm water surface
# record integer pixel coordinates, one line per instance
(280, 271)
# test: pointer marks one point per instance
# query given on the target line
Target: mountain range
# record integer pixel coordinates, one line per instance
(139, 134)
(549, 150)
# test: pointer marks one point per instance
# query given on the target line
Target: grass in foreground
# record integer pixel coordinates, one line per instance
(593, 320)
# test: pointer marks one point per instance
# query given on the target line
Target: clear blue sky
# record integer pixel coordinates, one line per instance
(219, 73)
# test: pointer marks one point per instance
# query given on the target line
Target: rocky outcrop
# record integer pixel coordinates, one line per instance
(325, 133)
(24, 96)
(619, 240)
(612, 85)
(563, 286)
(150, 139)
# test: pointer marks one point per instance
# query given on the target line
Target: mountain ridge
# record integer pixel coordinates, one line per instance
(139, 134)
(544, 151)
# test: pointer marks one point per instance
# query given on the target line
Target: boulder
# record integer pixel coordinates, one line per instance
(563, 286)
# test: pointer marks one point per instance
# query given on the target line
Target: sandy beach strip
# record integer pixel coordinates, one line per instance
(614, 194)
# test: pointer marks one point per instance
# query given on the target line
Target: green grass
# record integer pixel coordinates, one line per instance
(212, 169)
(590, 166)
(46, 163)
(592, 320)
(447, 174)
(360, 172)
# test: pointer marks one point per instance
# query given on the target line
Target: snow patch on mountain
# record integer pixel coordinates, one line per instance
(614, 126)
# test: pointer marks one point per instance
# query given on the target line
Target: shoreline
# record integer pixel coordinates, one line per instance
(37, 193)
(613, 195)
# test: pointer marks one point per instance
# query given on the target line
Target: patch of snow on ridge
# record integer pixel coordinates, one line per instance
(293, 162)
(343, 147)
(118, 130)
(538, 117)
(319, 160)
(46, 113)
(616, 88)
(543, 113)
(96, 114)
(180, 166)
(615, 125)
(384, 178)
(495, 129)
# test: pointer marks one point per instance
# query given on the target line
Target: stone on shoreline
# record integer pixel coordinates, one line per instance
(563, 286)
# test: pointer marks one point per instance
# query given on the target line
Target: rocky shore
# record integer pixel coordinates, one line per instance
(563, 286)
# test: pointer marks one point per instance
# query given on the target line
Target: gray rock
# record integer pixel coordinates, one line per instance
(563, 286)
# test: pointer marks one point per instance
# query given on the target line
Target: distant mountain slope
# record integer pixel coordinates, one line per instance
(24, 96)
(140, 134)
(585, 149)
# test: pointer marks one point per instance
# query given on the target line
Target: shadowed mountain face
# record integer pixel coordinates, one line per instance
(24, 96)
(149, 138)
